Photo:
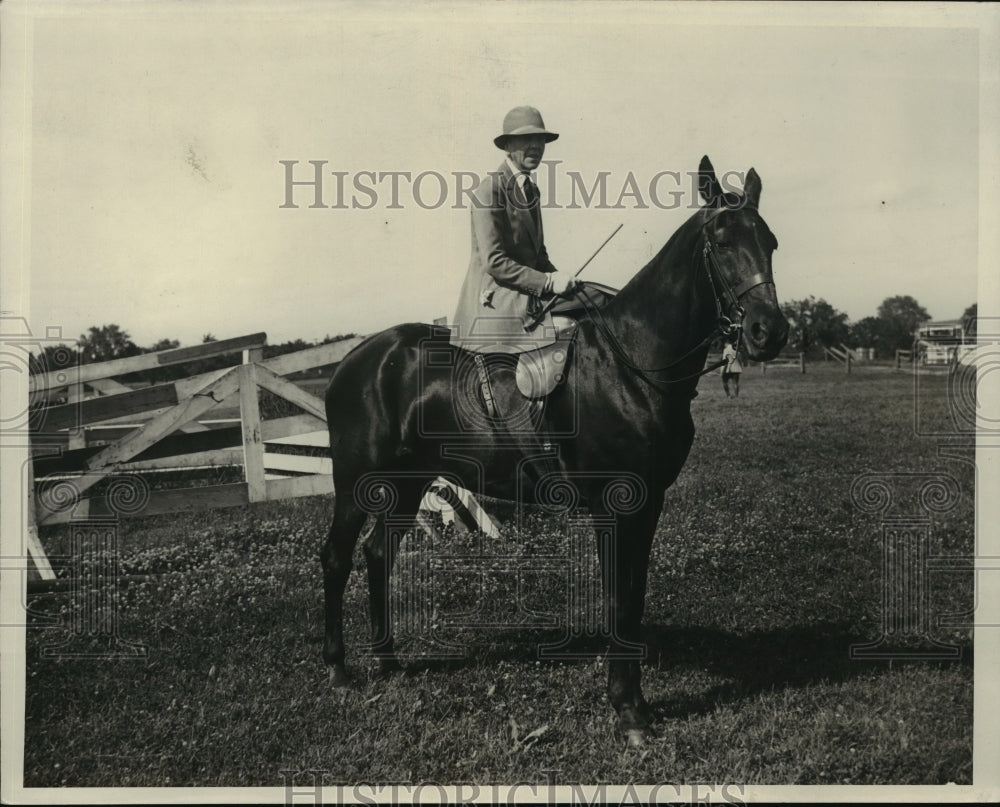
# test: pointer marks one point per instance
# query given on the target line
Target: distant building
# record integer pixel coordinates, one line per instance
(943, 341)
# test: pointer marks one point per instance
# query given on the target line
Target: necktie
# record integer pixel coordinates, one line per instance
(530, 191)
(531, 197)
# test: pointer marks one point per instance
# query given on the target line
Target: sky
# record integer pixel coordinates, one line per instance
(156, 134)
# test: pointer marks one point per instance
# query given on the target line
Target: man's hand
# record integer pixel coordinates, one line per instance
(563, 284)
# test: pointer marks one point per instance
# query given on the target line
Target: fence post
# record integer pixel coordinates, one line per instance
(802, 361)
(253, 444)
(763, 367)
(847, 362)
(35, 550)
(76, 393)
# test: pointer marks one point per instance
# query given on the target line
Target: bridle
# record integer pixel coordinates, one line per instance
(729, 323)
(732, 322)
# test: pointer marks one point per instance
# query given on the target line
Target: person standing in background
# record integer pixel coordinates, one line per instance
(732, 369)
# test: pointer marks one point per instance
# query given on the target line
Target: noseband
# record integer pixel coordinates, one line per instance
(728, 324)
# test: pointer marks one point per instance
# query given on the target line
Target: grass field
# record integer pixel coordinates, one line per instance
(764, 573)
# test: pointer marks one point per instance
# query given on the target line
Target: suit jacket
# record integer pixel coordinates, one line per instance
(503, 287)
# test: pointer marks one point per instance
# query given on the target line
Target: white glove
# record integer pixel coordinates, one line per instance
(563, 284)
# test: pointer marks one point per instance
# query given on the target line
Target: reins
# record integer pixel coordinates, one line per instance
(729, 324)
(616, 347)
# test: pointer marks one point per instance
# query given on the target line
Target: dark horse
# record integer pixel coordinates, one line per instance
(396, 413)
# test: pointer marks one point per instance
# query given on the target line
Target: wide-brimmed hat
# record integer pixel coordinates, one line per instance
(523, 120)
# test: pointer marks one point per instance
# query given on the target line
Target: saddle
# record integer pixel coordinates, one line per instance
(536, 372)
(541, 371)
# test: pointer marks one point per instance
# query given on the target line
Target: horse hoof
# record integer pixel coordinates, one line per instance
(635, 738)
(339, 678)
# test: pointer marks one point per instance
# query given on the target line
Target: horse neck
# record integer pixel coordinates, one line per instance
(668, 307)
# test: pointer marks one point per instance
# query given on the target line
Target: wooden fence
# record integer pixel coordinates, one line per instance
(798, 362)
(845, 356)
(104, 431)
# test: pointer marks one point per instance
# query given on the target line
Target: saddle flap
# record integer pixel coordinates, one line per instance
(541, 371)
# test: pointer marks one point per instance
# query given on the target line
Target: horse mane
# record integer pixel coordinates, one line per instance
(674, 252)
(678, 248)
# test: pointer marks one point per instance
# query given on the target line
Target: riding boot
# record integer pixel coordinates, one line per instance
(521, 419)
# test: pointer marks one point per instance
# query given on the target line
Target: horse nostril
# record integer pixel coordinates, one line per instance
(758, 332)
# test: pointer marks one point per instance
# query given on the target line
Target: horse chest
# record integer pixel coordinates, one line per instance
(640, 441)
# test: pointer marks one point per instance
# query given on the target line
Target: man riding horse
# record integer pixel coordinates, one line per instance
(510, 271)
(397, 415)
(500, 313)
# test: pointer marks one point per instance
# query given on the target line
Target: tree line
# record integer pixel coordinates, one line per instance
(107, 342)
(815, 324)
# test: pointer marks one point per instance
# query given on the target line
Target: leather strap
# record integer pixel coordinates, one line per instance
(484, 385)
(751, 282)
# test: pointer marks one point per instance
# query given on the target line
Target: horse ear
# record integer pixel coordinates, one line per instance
(708, 185)
(751, 188)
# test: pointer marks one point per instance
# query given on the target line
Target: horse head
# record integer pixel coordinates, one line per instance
(737, 249)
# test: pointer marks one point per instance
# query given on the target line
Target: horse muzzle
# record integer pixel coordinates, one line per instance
(764, 335)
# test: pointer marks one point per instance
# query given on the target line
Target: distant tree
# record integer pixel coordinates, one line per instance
(53, 357)
(211, 363)
(285, 347)
(105, 343)
(869, 332)
(164, 344)
(159, 375)
(814, 324)
(325, 370)
(338, 338)
(901, 316)
(969, 319)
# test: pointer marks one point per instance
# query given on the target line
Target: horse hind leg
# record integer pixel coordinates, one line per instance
(381, 549)
(337, 560)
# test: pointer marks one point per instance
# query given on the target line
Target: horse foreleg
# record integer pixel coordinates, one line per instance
(624, 651)
(336, 558)
(624, 553)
